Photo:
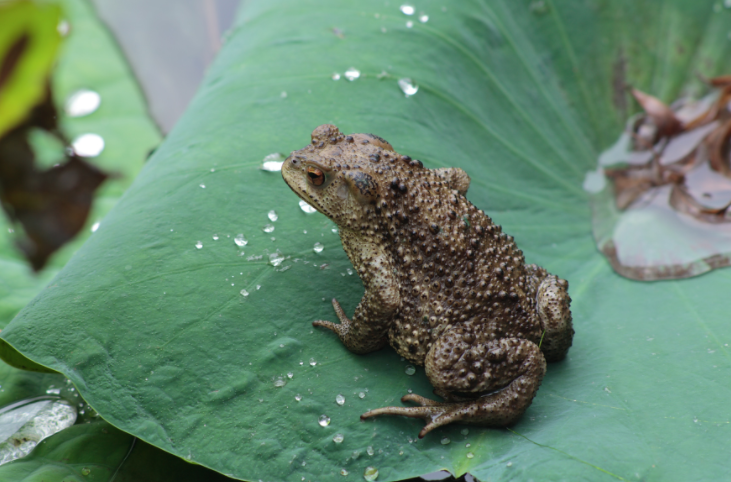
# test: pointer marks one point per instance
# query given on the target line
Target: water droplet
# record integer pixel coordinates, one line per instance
(202, 186)
(352, 73)
(407, 9)
(273, 216)
(199, 245)
(324, 420)
(244, 293)
(370, 474)
(423, 18)
(272, 162)
(63, 28)
(409, 24)
(338, 438)
(446, 441)
(464, 431)
(53, 391)
(318, 247)
(509, 464)
(340, 400)
(336, 76)
(82, 102)
(258, 287)
(408, 87)
(215, 237)
(410, 369)
(361, 395)
(470, 455)
(468, 445)
(85, 471)
(369, 450)
(306, 207)
(298, 397)
(88, 145)
(268, 228)
(95, 226)
(280, 382)
(313, 362)
(241, 240)
(276, 258)
(343, 472)
(26, 423)
(283, 95)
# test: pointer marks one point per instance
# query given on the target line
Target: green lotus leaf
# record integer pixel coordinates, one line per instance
(101, 453)
(28, 44)
(204, 348)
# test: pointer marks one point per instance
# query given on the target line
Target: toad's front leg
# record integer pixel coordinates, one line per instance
(502, 376)
(366, 332)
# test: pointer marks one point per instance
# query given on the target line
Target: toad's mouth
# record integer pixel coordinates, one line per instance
(302, 194)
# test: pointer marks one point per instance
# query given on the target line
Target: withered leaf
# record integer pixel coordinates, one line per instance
(682, 201)
(720, 81)
(662, 115)
(51, 205)
(12, 57)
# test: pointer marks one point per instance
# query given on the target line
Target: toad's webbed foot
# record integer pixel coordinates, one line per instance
(436, 414)
(342, 329)
(358, 335)
(497, 409)
(489, 384)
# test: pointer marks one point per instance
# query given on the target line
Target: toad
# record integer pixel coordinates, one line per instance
(444, 286)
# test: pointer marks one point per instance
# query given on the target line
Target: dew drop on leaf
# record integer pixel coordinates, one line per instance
(370, 474)
(352, 74)
(241, 240)
(272, 162)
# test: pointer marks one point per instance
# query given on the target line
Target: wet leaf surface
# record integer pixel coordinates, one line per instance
(99, 452)
(147, 324)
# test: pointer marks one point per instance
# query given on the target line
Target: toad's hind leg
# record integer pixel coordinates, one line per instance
(501, 376)
(554, 311)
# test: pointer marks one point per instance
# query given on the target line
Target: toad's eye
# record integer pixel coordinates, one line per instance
(316, 176)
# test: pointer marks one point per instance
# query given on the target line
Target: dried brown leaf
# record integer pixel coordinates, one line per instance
(684, 202)
(720, 81)
(718, 149)
(630, 183)
(662, 115)
(51, 205)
